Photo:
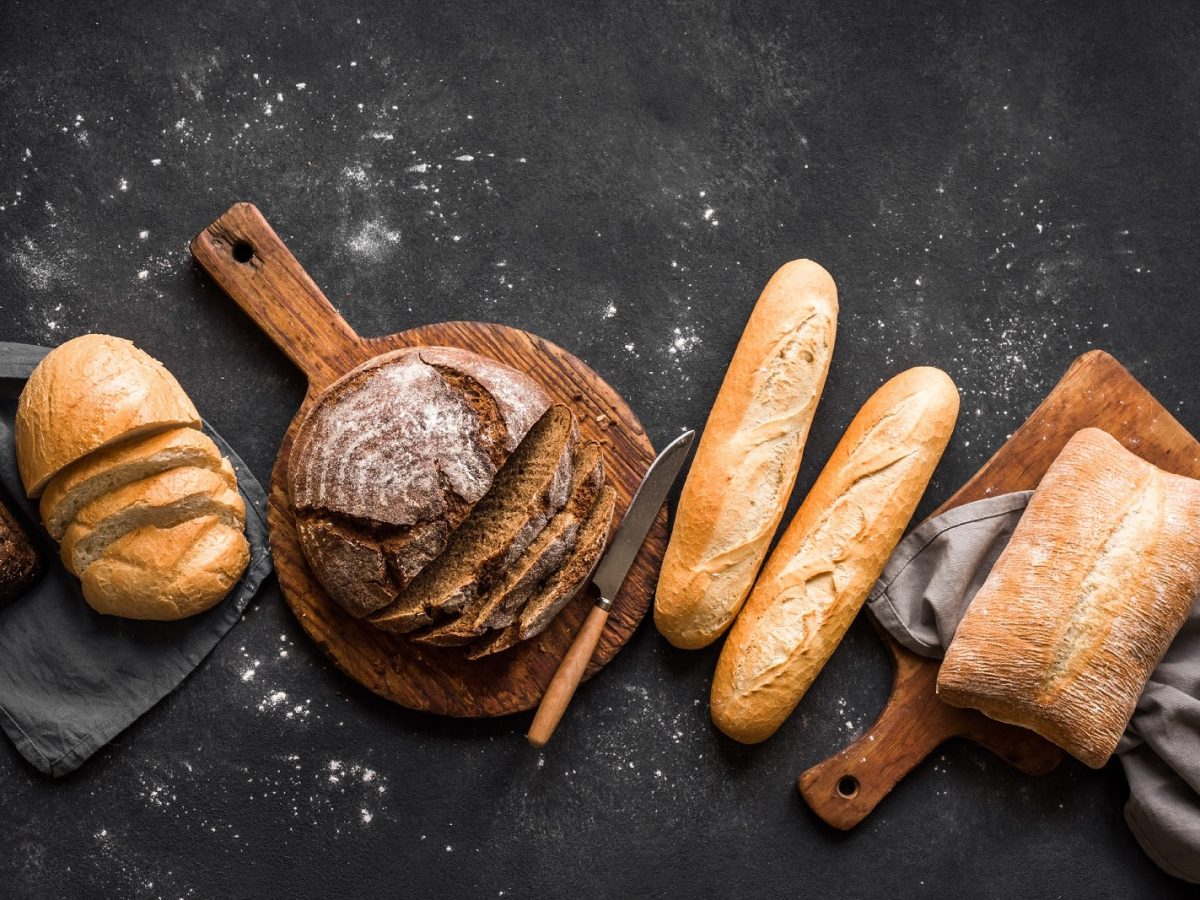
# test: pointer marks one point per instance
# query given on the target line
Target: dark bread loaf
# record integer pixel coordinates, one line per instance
(498, 605)
(530, 488)
(19, 561)
(393, 457)
(561, 586)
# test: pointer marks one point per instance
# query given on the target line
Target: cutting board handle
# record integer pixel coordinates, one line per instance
(846, 787)
(245, 256)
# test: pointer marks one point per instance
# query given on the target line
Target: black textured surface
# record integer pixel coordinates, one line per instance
(995, 187)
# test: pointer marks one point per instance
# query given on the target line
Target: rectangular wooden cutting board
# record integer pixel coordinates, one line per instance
(1096, 391)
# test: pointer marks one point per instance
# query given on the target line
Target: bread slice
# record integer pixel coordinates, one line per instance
(497, 607)
(561, 587)
(167, 573)
(109, 468)
(163, 500)
(530, 488)
(90, 392)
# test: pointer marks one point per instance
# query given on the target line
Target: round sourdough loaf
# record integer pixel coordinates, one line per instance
(392, 458)
(92, 391)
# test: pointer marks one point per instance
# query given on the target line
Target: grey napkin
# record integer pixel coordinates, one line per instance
(923, 593)
(70, 678)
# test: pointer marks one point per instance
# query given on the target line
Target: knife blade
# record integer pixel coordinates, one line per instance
(608, 577)
(643, 508)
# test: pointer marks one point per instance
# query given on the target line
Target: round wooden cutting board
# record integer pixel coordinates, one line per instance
(245, 256)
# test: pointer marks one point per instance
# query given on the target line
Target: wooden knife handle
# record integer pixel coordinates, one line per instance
(245, 256)
(566, 679)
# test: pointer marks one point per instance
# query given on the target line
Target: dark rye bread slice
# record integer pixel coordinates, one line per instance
(393, 457)
(496, 607)
(561, 587)
(532, 487)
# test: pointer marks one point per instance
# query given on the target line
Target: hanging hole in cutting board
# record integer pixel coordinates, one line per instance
(243, 252)
(847, 787)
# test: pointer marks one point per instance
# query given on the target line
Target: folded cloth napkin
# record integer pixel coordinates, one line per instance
(70, 678)
(920, 599)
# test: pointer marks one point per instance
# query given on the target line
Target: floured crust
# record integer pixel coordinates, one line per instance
(88, 393)
(393, 457)
(832, 552)
(748, 457)
(530, 488)
(1100, 574)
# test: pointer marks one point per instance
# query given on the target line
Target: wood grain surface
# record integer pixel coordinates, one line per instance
(1095, 391)
(249, 261)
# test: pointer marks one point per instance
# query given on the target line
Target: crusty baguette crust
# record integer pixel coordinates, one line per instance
(748, 457)
(167, 573)
(88, 393)
(1099, 575)
(833, 551)
(116, 466)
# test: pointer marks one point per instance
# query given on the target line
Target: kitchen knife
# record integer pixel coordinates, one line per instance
(608, 577)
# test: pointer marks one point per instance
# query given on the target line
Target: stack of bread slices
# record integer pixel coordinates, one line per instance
(442, 495)
(145, 507)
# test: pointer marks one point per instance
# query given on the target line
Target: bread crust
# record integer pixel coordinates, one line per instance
(92, 392)
(163, 500)
(1100, 574)
(167, 573)
(393, 457)
(748, 457)
(832, 552)
(115, 466)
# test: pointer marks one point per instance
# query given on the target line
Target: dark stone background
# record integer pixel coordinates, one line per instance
(996, 188)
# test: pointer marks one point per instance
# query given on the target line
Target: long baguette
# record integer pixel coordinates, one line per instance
(749, 455)
(831, 554)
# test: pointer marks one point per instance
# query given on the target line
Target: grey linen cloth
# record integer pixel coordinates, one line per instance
(920, 599)
(71, 679)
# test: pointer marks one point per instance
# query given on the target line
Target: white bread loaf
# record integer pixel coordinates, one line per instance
(147, 509)
(88, 393)
(833, 551)
(748, 457)
(1100, 574)
(112, 467)
(163, 500)
(167, 573)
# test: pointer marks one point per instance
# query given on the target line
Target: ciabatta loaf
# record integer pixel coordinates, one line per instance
(833, 551)
(1099, 575)
(748, 458)
(91, 392)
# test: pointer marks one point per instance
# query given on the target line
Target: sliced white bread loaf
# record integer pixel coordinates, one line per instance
(162, 501)
(115, 466)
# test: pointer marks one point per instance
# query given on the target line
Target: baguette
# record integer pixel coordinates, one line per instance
(749, 456)
(1100, 574)
(833, 551)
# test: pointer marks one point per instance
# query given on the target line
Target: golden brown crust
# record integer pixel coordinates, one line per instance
(1099, 575)
(113, 467)
(163, 500)
(89, 393)
(832, 552)
(748, 457)
(167, 573)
